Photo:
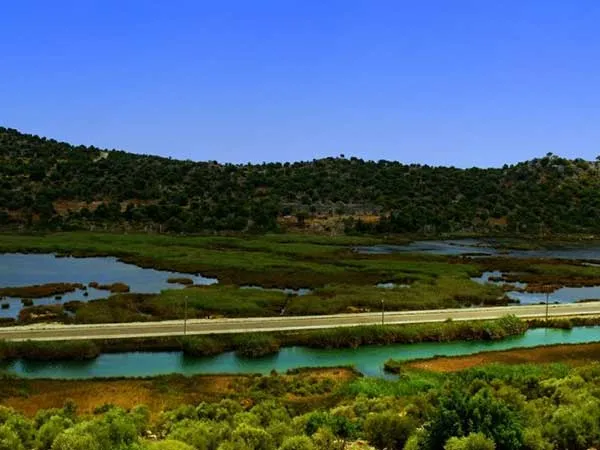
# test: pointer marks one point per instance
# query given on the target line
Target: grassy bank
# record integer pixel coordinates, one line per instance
(259, 344)
(570, 354)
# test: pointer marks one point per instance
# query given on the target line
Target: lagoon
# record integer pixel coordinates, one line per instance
(18, 270)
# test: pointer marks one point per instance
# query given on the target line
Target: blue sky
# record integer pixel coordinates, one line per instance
(453, 82)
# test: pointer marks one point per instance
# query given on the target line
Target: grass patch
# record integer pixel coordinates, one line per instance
(49, 350)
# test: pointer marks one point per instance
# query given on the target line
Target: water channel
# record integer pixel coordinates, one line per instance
(367, 359)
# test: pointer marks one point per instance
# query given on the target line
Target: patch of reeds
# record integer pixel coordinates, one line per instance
(113, 287)
(180, 280)
(49, 350)
(40, 290)
(203, 346)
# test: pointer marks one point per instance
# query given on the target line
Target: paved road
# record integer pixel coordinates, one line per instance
(207, 326)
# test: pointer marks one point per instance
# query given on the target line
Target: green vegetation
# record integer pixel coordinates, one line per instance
(341, 280)
(49, 185)
(49, 350)
(41, 290)
(504, 407)
(255, 345)
(260, 344)
(112, 287)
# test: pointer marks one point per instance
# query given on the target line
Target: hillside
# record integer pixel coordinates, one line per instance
(54, 185)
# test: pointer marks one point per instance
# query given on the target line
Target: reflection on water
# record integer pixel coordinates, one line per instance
(477, 247)
(368, 359)
(561, 295)
(18, 270)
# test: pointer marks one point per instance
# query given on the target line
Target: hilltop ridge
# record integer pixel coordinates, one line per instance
(54, 185)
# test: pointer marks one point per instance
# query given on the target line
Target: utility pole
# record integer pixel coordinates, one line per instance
(185, 315)
(382, 311)
(547, 297)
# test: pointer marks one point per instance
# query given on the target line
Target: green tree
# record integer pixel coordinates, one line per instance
(9, 439)
(50, 430)
(253, 438)
(74, 439)
(388, 430)
(297, 443)
(169, 444)
(474, 441)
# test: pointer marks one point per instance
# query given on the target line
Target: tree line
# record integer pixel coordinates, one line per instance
(54, 185)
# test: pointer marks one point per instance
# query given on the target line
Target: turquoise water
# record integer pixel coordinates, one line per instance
(17, 269)
(368, 359)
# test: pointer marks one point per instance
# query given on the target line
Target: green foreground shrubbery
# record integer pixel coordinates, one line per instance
(522, 407)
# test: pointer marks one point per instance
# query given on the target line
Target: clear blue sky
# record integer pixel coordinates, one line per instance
(447, 82)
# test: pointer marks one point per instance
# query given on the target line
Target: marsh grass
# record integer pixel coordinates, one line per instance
(40, 290)
(49, 350)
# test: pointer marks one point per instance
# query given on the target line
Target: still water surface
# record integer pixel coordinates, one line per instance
(367, 359)
(17, 269)
(560, 295)
(477, 247)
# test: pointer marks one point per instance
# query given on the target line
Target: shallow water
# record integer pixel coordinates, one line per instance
(367, 359)
(561, 295)
(484, 248)
(17, 269)
(392, 286)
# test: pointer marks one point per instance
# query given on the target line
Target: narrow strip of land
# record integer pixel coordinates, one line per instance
(253, 324)
(571, 354)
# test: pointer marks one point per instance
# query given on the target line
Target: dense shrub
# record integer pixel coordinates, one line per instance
(203, 346)
(256, 345)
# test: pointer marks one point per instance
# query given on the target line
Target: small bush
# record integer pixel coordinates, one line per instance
(256, 345)
(202, 346)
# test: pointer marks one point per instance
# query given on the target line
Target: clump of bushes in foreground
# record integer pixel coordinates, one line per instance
(498, 407)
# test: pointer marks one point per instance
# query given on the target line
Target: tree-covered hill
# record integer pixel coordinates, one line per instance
(50, 184)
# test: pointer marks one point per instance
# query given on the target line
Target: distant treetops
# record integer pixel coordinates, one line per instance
(53, 185)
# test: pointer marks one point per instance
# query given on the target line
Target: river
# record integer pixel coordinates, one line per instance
(367, 359)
